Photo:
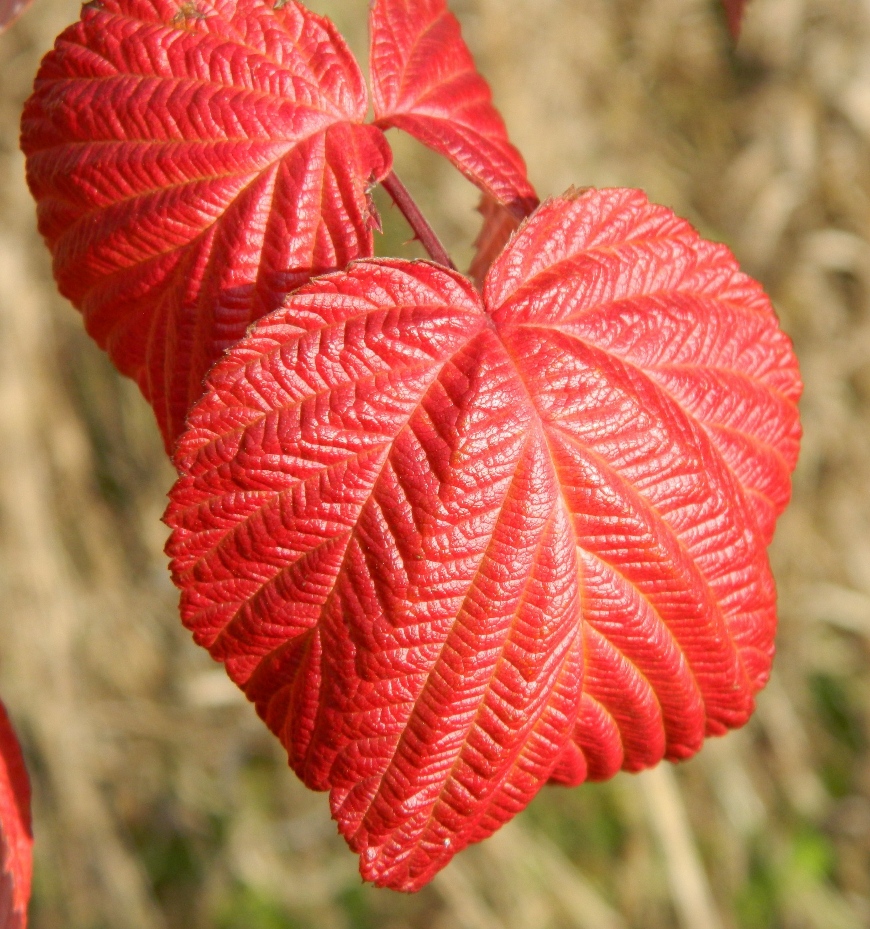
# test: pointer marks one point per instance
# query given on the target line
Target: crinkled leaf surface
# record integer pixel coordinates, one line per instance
(424, 81)
(16, 840)
(193, 163)
(734, 10)
(456, 546)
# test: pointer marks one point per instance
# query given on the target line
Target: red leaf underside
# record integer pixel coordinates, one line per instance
(454, 547)
(192, 164)
(424, 81)
(16, 840)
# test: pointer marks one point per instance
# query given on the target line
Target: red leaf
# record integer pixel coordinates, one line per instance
(192, 163)
(16, 837)
(454, 547)
(10, 10)
(734, 9)
(424, 81)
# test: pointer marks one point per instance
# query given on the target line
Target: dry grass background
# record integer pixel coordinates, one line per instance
(161, 802)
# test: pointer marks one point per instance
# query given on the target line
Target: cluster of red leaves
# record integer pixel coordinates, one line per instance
(453, 541)
(10, 10)
(192, 166)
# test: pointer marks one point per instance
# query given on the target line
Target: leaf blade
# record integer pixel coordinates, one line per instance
(545, 562)
(425, 82)
(605, 292)
(361, 661)
(192, 164)
(16, 837)
(486, 718)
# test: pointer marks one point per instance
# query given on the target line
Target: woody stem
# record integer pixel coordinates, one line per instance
(416, 220)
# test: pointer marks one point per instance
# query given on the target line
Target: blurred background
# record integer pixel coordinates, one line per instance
(160, 800)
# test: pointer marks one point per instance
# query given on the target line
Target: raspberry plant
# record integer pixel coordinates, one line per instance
(455, 537)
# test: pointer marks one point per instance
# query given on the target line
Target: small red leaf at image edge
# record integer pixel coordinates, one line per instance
(16, 838)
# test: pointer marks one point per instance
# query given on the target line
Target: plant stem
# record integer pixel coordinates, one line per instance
(416, 220)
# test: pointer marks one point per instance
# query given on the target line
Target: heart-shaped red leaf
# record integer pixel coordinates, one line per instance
(16, 838)
(453, 547)
(192, 163)
(424, 81)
